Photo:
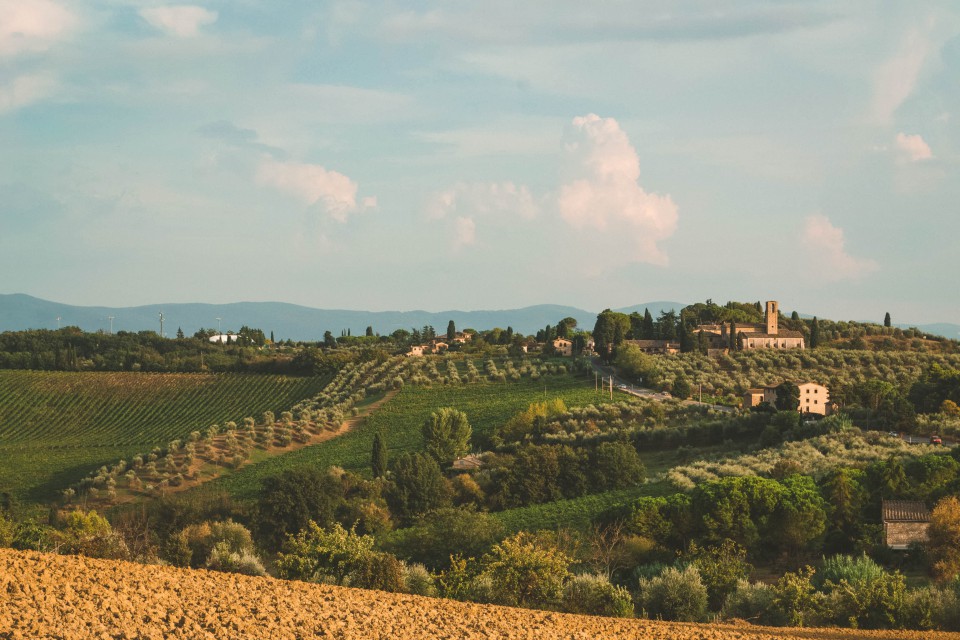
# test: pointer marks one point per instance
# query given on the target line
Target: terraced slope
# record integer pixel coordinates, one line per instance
(69, 597)
(57, 426)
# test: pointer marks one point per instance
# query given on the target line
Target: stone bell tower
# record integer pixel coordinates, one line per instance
(773, 317)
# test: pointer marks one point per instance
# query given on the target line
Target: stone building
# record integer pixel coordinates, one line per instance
(905, 522)
(768, 335)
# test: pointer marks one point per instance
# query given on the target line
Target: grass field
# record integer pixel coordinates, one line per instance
(55, 427)
(486, 404)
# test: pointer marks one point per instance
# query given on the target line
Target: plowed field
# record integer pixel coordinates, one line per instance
(49, 596)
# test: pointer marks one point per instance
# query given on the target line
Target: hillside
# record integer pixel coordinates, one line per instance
(73, 422)
(72, 597)
(19, 312)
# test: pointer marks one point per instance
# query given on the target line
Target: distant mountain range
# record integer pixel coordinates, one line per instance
(19, 311)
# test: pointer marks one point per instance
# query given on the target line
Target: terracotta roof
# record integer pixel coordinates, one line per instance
(784, 333)
(758, 390)
(905, 511)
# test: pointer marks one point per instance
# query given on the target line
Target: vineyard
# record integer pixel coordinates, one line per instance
(488, 401)
(56, 426)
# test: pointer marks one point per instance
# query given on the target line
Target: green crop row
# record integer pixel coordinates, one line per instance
(56, 426)
(487, 405)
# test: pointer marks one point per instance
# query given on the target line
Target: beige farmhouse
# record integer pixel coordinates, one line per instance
(563, 347)
(814, 398)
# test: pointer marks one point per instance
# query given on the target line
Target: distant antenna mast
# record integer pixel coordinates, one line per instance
(110, 318)
(58, 322)
(161, 324)
(218, 326)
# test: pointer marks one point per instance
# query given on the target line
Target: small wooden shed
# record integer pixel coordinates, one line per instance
(905, 522)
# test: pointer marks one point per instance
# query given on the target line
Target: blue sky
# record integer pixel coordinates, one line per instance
(480, 155)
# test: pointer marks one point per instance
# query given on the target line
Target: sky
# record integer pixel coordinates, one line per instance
(483, 155)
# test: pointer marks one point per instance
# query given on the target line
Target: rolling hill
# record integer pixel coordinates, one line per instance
(19, 312)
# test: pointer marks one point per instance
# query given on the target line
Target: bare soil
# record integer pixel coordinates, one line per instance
(72, 597)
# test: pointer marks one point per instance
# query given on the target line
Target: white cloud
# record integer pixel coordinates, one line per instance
(912, 148)
(896, 78)
(827, 251)
(466, 232)
(182, 21)
(484, 198)
(24, 90)
(313, 184)
(601, 191)
(32, 25)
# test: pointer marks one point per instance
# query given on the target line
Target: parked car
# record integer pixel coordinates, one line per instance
(935, 439)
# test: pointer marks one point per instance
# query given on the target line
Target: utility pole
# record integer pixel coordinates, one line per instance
(218, 326)
(161, 324)
(110, 318)
(58, 323)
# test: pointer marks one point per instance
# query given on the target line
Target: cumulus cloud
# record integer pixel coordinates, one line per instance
(24, 90)
(827, 250)
(601, 191)
(313, 184)
(182, 21)
(912, 148)
(466, 232)
(484, 198)
(32, 25)
(896, 78)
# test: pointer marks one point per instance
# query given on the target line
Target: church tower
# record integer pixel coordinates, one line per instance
(772, 317)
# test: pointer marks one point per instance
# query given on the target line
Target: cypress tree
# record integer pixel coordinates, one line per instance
(451, 330)
(814, 333)
(648, 330)
(886, 319)
(733, 336)
(378, 459)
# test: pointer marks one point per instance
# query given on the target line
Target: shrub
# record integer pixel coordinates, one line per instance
(341, 557)
(594, 595)
(380, 571)
(89, 534)
(674, 595)
(795, 597)
(418, 581)
(6, 531)
(752, 601)
(223, 558)
(526, 572)
(222, 546)
(862, 594)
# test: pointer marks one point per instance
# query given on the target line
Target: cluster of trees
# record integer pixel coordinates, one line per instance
(70, 349)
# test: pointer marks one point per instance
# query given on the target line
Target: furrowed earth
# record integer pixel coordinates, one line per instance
(72, 597)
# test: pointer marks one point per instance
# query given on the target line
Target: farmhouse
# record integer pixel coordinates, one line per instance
(905, 522)
(563, 347)
(814, 398)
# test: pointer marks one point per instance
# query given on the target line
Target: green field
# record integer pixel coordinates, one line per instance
(55, 427)
(486, 404)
